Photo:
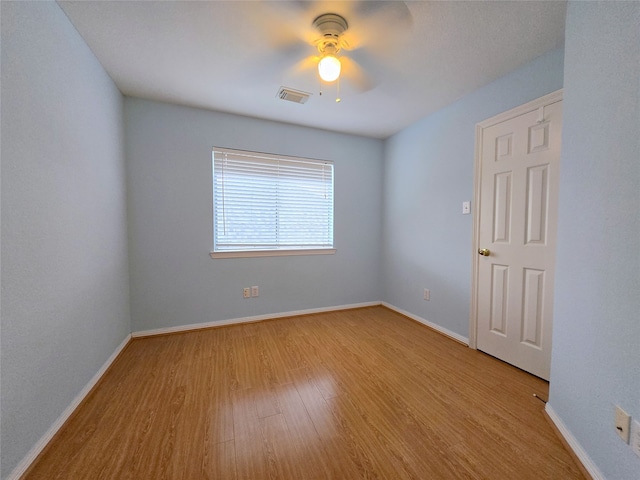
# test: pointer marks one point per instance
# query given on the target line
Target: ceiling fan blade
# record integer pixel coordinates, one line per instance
(302, 75)
(379, 26)
(270, 67)
(397, 9)
(356, 75)
(304, 65)
(290, 19)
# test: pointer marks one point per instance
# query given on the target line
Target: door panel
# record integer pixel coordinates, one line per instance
(536, 207)
(517, 215)
(533, 300)
(499, 292)
(502, 208)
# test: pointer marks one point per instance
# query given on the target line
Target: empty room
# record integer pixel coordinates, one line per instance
(320, 240)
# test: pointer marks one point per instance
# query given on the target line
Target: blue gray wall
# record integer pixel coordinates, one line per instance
(65, 292)
(596, 358)
(428, 174)
(173, 279)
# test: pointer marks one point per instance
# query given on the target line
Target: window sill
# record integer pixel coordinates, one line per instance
(273, 253)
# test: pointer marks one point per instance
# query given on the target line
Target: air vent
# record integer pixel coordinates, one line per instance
(292, 95)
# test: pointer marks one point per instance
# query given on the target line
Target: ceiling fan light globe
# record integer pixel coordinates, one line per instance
(329, 68)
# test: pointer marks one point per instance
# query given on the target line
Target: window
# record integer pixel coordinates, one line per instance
(267, 204)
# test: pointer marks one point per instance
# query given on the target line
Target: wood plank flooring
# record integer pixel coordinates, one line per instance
(363, 393)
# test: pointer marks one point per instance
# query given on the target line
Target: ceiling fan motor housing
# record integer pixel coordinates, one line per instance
(331, 26)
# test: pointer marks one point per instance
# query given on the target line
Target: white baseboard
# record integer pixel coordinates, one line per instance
(46, 438)
(573, 443)
(256, 318)
(429, 324)
(272, 316)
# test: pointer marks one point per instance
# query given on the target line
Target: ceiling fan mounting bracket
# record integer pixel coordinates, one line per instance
(328, 46)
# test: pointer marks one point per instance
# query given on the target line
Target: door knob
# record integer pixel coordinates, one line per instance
(484, 252)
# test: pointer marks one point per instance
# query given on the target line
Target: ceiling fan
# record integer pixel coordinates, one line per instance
(352, 42)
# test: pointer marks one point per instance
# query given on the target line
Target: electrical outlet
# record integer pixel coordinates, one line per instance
(255, 291)
(427, 294)
(246, 292)
(635, 437)
(622, 424)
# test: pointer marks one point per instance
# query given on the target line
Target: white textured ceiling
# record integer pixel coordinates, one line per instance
(414, 57)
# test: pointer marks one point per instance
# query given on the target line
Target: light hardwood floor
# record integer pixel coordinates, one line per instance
(363, 393)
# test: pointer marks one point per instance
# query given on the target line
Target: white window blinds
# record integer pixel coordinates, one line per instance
(264, 202)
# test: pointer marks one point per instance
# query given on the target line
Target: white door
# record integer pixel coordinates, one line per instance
(516, 218)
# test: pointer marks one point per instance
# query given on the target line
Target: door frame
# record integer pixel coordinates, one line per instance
(528, 107)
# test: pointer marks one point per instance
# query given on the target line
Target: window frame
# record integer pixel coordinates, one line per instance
(278, 251)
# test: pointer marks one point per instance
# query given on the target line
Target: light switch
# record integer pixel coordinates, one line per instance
(622, 424)
(466, 208)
